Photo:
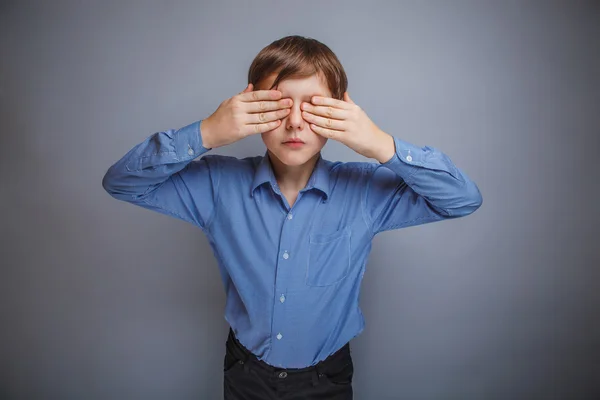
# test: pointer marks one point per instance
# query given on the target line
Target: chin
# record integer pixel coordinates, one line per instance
(294, 158)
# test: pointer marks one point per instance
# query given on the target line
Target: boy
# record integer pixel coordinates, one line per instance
(290, 230)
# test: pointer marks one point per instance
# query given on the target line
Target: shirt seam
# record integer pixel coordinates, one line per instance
(170, 212)
(216, 198)
(365, 215)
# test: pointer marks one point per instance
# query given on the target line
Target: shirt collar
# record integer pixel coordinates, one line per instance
(319, 179)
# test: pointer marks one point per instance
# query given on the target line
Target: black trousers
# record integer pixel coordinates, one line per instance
(248, 378)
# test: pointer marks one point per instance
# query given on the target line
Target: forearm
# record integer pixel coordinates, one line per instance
(433, 175)
(153, 161)
(384, 147)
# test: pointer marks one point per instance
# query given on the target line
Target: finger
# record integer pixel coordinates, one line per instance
(328, 123)
(252, 129)
(264, 117)
(326, 111)
(328, 133)
(265, 105)
(329, 101)
(258, 95)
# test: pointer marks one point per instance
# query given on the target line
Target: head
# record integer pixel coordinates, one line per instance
(300, 68)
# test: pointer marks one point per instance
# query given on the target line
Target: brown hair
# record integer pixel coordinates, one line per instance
(298, 56)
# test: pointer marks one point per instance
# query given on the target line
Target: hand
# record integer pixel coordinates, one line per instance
(347, 123)
(247, 113)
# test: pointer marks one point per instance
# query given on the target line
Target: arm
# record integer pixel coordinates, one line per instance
(415, 186)
(159, 174)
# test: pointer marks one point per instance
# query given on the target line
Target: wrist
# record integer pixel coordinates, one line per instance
(386, 148)
(205, 133)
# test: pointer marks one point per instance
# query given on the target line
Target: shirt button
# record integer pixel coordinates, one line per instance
(286, 255)
(283, 374)
(279, 336)
(290, 216)
(191, 152)
(282, 298)
(408, 158)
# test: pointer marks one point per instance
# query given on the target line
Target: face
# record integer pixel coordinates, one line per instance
(293, 126)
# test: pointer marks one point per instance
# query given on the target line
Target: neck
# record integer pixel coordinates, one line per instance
(292, 177)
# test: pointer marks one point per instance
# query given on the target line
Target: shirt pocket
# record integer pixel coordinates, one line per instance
(328, 257)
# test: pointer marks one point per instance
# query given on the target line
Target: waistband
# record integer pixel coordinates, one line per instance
(341, 356)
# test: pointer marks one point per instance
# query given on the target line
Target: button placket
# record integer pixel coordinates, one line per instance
(282, 275)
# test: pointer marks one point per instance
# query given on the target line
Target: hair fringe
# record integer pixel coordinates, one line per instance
(299, 56)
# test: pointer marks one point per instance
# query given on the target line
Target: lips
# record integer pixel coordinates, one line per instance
(294, 141)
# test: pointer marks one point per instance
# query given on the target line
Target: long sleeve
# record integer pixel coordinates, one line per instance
(160, 174)
(416, 186)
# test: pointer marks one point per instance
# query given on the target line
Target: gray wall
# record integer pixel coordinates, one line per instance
(103, 300)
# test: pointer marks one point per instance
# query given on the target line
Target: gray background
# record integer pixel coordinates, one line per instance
(103, 300)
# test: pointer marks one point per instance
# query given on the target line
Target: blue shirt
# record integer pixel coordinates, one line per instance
(292, 275)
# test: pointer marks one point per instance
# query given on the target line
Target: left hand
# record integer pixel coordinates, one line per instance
(347, 123)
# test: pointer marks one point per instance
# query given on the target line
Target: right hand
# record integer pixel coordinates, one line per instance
(244, 114)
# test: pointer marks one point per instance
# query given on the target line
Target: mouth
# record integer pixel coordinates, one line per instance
(295, 144)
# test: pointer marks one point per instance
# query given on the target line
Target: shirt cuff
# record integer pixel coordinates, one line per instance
(407, 159)
(188, 142)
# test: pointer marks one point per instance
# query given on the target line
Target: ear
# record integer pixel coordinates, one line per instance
(249, 88)
(347, 98)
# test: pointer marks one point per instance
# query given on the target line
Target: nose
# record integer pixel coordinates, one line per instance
(294, 120)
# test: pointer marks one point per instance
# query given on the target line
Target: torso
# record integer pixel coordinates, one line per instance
(290, 197)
